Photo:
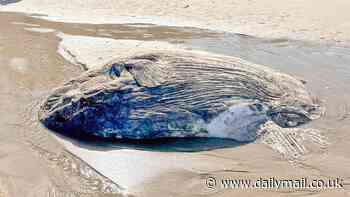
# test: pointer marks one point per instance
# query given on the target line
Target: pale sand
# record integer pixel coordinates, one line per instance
(40, 30)
(299, 19)
(91, 52)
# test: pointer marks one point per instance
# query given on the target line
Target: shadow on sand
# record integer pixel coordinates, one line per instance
(194, 144)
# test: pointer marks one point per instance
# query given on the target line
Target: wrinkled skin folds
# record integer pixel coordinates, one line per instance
(178, 94)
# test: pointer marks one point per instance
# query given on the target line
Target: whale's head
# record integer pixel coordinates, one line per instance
(90, 102)
(106, 100)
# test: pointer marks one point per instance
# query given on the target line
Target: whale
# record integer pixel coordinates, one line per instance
(183, 94)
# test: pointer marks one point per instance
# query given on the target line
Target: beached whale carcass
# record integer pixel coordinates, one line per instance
(178, 94)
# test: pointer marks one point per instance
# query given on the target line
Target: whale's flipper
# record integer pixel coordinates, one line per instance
(292, 143)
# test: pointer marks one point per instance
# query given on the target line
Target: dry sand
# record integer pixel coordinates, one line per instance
(298, 19)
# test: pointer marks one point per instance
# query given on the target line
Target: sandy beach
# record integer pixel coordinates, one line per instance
(294, 19)
(45, 43)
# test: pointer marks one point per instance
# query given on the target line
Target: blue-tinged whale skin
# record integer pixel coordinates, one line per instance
(178, 94)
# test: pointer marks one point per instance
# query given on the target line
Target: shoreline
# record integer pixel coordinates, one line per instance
(267, 19)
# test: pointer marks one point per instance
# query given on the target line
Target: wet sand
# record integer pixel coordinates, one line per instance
(35, 162)
(32, 162)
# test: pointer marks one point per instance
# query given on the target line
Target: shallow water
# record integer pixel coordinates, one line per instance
(32, 158)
